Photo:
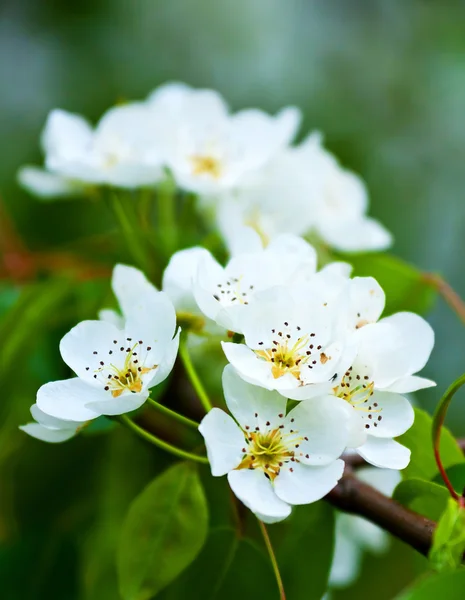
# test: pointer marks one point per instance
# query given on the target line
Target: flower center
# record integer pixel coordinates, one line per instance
(267, 451)
(233, 291)
(127, 374)
(291, 351)
(206, 165)
(357, 390)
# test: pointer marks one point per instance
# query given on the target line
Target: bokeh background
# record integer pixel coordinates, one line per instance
(383, 79)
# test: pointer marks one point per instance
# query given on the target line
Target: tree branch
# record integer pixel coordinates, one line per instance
(447, 292)
(353, 496)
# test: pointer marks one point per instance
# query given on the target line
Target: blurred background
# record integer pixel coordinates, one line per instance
(384, 81)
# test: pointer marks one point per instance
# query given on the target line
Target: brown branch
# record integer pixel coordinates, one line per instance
(353, 496)
(447, 292)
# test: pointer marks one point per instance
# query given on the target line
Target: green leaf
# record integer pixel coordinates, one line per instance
(403, 284)
(418, 439)
(229, 561)
(456, 476)
(424, 497)
(450, 586)
(164, 530)
(305, 552)
(449, 538)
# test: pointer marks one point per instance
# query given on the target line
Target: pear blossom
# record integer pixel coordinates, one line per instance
(225, 293)
(51, 429)
(179, 276)
(281, 197)
(44, 184)
(340, 214)
(354, 535)
(303, 190)
(207, 148)
(122, 151)
(293, 340)
(129, 285)
(274, 460)
(389, 354)
(115, 367)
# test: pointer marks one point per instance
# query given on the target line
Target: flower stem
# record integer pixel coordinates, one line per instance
(167, 225)
(128, 229)
(193, 376)
(172, 414)
(125, 420)
(448, 293)
(274, 562)
(438, 421)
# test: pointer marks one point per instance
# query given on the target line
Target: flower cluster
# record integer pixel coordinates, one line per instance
(314, 368)
(241, 165)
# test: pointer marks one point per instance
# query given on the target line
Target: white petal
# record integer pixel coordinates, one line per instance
(249, 367)
(306, 483)
(224, 441)
(367, 300)
(65, 137)
(48, 421)
(152, 318)
(125, 403)
(325, 422)
(167, 363)
(209, 274)
(396, 346)
(178, 277)
(385, 453)
(86, 344)
(255, 491)
(346, 560)
(67, 399)
(391, 418)
(47, 434)
(111, 316)
(129, 284)
(384, 480)
(359, 235)
(251, 405)
(410, 383)
(43, 184)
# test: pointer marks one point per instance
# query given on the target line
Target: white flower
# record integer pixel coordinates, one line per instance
(115, 367)
(225, 293)
(389, 354)
(50, 429)
(129, 285)
(303, 190)
(293, 340)
(43, 184)
(178, 278)
(354, 535)
(207, 148)
(123, 150)
(340, 212)
(274, 460)
(279, 198)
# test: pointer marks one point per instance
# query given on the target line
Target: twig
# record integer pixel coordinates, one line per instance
(447, 292)
(353, 496)
(274, 562)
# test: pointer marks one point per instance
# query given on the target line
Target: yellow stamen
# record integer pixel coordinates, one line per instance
(206, 165)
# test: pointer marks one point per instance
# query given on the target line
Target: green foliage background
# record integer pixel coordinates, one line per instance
(384, 80)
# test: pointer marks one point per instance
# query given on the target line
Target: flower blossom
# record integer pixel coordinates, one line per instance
(304, 190)
(115, 364)
(274, 460)
(224, 293)
(293, 340)
(207, 148)
(122, 151)
(51, 429)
